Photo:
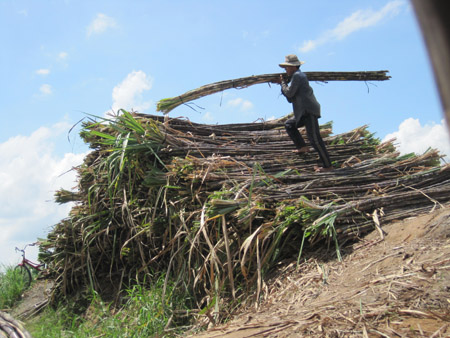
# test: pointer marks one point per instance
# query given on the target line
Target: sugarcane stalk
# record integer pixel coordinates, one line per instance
(168, 104)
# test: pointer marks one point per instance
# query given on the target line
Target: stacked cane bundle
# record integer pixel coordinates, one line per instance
(214, 207)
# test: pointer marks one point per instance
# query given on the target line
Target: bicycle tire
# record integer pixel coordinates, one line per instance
(25, 274)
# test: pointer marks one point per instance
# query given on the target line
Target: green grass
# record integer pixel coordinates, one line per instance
(56, 323)
(12, 287)
(144, 314)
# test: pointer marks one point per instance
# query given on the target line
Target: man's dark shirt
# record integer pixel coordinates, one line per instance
(301, 95)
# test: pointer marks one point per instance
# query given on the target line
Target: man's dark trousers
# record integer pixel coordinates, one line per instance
(310, 122)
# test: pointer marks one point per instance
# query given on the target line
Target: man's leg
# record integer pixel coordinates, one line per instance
(292, 130)
(313, 132)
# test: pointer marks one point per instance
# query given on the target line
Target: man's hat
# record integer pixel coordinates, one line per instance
(291, 60)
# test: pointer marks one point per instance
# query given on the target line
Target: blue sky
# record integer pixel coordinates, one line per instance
(62, 60)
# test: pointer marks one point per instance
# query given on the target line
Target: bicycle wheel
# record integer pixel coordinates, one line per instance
(25, 274)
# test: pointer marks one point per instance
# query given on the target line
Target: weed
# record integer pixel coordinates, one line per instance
(12, 286)
(145, 313)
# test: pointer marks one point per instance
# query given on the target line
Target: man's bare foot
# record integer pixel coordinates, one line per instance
(322, 169)
(301, 150)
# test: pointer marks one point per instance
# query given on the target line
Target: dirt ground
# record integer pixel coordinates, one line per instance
(33, 300)
(398, 286)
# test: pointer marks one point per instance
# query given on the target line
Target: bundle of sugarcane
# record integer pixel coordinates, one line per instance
(11, 328)
(166, 105)
(214, 207)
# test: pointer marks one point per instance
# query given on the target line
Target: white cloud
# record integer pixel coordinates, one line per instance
(30, 173)
(412, 137)
(310, 45)
(62, 56)
(356, 21)
(43, 71)
(207, 117)
(243, 105)
(247, 105)
(128, 94)
(45, 89)
(100, 24)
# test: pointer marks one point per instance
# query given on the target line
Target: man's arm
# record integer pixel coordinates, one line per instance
(290, 90)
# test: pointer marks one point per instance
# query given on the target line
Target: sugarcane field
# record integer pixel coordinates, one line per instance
(255, 241)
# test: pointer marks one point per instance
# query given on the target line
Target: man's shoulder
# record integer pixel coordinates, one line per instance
(299, 74)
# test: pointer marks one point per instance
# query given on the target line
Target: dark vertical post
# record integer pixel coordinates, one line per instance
(434, 19)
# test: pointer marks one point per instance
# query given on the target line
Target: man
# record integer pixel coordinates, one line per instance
(306, 111)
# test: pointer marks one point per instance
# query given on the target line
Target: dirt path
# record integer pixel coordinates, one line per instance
(33, 300)
(393, 287)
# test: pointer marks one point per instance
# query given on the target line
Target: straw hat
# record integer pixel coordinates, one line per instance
(291, 60)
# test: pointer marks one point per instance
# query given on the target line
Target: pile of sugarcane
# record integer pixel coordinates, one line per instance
(215, 207)
(11, 328)
(166, 105)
